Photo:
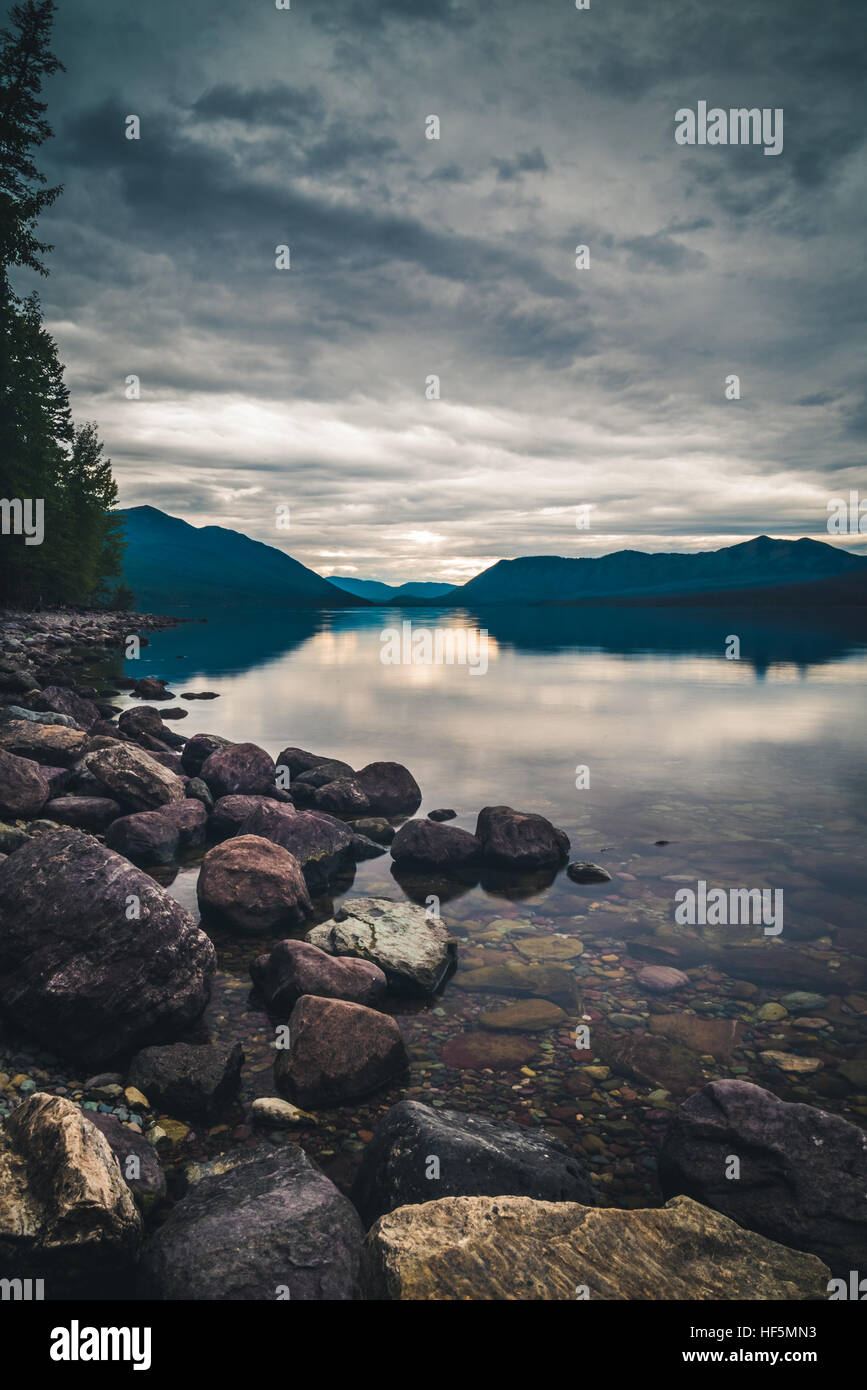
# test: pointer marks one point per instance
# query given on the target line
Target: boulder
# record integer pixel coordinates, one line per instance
(91, 813)
(198, 749)
(148, 688)
(443, 847)
(476, 1157)
(338, 1052)
(57, 700)
(342, 797)
(188, 1080)
(140, 720)
(132, 777)
(414, 951)
(241, 769)
(294, 968)
(140, 1168)
(803, 1172)
(230, 812)
(319, 776)
(44, 743)
(252, 885)
(321, 844)
(514, 1248)
(390, 789)
(94, 952)
(157, 837)
(520, 840)
(298, 760)
(66, 1214)
(24, 789)
(262, 1224)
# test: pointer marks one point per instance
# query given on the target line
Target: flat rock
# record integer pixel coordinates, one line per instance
(715, 1036)
(414, 951)
(525, 1016)
(803, 1174)
(514, 1248)
(473, 1050)
(338, 1052)
(273, 1113)
(91, 813)
(44, 743)
(476, 1156)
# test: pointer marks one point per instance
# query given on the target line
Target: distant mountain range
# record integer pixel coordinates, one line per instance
(170, 563)
(633, 575)
(376, 592)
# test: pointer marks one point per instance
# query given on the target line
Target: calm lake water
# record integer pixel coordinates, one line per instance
(751, 771)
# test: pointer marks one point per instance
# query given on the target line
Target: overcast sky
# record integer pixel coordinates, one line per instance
(560, 387)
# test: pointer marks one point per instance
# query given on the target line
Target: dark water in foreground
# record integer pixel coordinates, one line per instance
(751, 771)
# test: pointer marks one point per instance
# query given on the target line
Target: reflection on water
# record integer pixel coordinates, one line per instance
(742, 773)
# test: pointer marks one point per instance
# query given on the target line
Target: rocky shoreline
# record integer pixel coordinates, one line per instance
(104, 980)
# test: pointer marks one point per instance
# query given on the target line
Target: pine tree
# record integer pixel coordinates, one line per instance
(42, 457)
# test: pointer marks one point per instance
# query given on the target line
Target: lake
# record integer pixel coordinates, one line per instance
(664, 761)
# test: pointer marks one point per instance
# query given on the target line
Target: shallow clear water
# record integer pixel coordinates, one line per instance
(751, 770)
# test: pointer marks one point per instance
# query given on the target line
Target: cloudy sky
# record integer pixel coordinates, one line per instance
(264, 388)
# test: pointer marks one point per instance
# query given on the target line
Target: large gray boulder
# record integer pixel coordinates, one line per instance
(414, 951)
(259, 1225)
(475, 1157)
(802, 1177)
(93, 952)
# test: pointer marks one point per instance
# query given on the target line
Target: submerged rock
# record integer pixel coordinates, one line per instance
(514, 1248)
(66, 1213)
(337, 1052)
(94, 952)
(583, 872)
(803, 1172)
(414, 951)
(261, 1225)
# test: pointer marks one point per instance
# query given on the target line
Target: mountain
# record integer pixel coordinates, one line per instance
(633, 575)
(169, 563)
(376, 592)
